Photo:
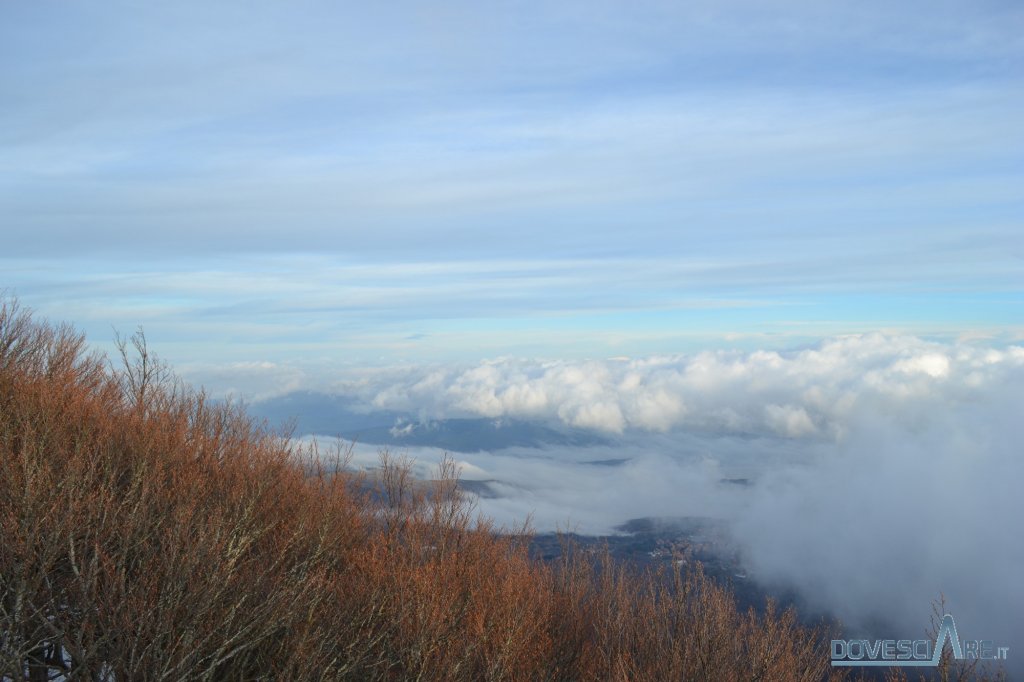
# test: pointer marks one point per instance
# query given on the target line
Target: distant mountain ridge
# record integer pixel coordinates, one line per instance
(324, 414)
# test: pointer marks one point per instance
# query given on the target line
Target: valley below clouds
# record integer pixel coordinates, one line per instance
(868, 473)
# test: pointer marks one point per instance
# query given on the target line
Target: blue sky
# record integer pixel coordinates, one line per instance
(340, 184)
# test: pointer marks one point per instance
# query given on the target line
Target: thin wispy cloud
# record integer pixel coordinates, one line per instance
(463, 177)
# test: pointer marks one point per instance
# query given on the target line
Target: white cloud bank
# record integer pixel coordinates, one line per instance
(810, 393)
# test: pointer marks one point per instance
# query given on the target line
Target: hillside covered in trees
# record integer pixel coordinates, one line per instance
(147, 532)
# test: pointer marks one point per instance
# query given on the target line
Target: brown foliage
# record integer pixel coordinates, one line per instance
(148, 533)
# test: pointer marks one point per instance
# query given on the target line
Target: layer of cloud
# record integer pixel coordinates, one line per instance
(809, 393)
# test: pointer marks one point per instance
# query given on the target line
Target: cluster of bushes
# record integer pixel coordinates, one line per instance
(147, 533)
